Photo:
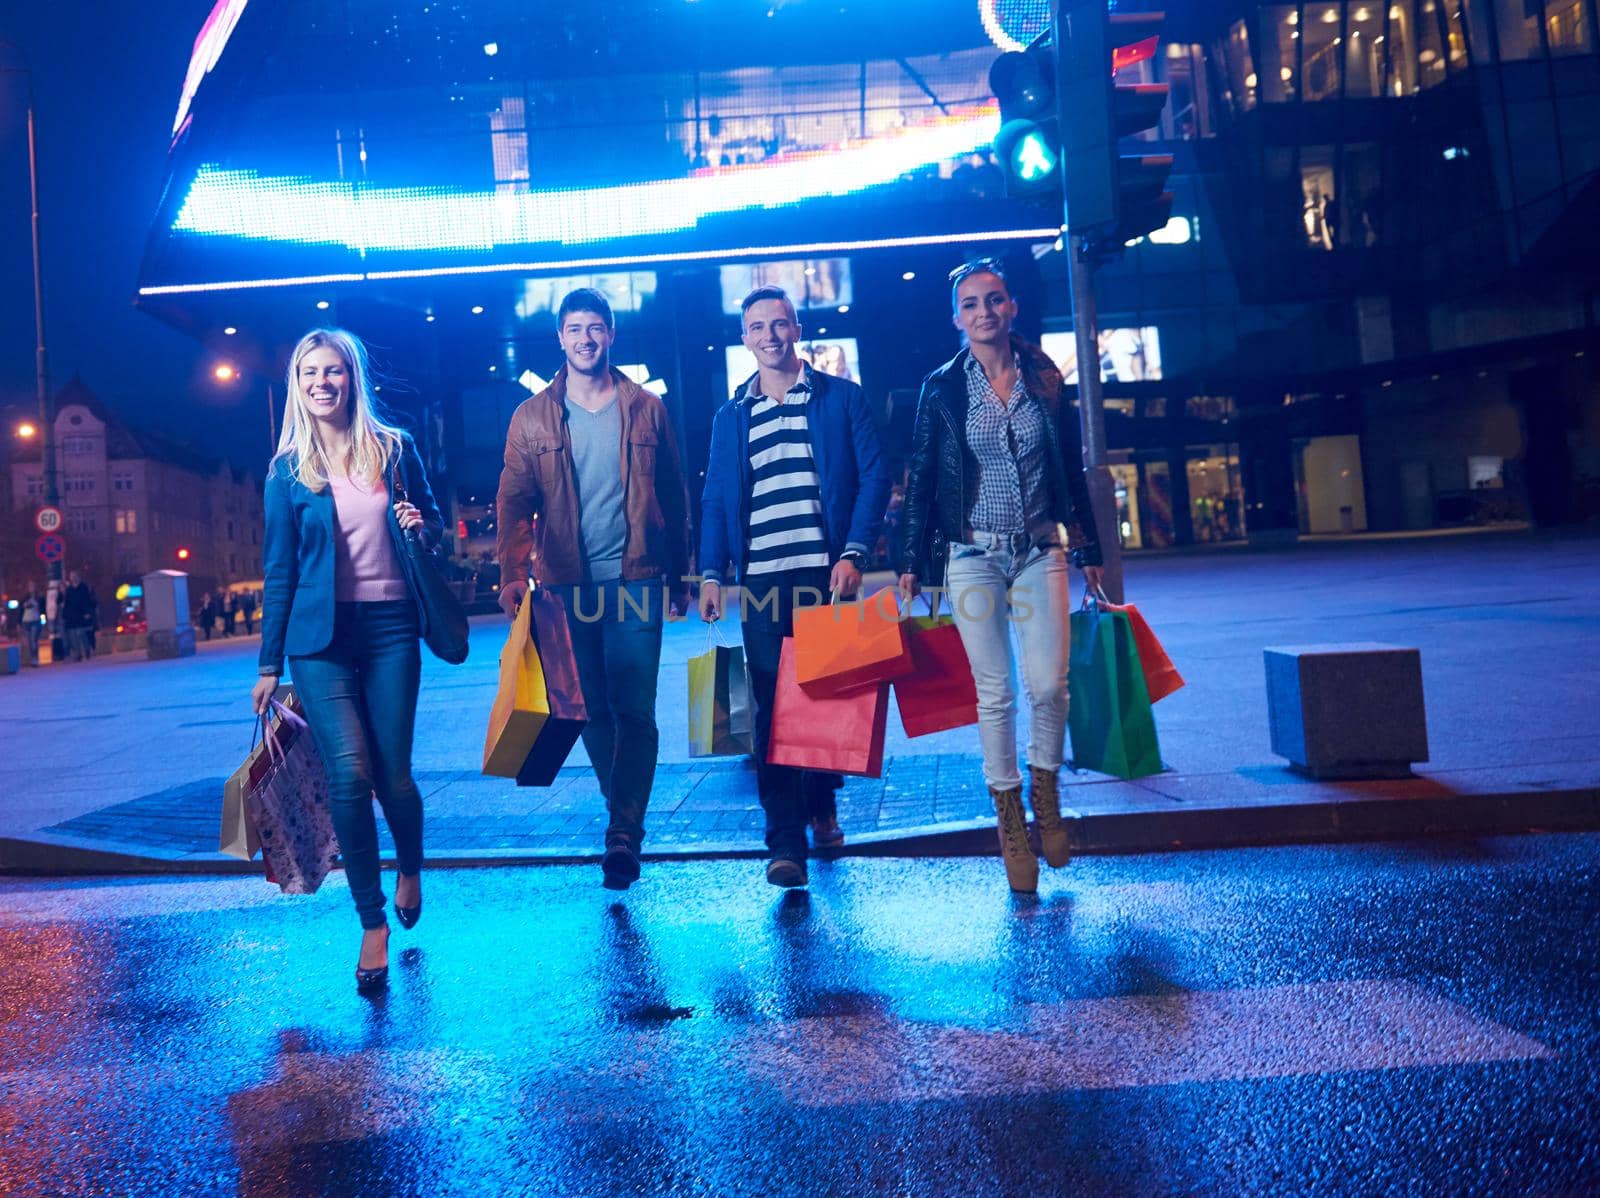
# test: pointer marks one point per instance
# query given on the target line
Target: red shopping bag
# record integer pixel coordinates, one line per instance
(939, 693)
(842, 646)
(1161, 677)
(842, 734)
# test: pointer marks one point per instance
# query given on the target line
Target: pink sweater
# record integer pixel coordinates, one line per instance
(365, 567)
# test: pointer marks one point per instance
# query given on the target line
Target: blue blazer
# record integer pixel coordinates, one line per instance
(844, 447)
(297, 557)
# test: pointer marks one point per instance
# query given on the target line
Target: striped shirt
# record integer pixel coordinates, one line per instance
(786, 531)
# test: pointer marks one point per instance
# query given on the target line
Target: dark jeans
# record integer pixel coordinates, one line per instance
(360, 696)
(619, 655)
(790, 797)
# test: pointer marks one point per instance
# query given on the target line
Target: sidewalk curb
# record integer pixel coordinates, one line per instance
(1189, 827)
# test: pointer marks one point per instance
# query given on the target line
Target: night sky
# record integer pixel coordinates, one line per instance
(107, 76)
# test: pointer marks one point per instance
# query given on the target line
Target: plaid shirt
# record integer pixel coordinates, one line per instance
(1011, 490)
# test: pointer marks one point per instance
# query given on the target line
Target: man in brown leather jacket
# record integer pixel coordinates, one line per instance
(593, 492)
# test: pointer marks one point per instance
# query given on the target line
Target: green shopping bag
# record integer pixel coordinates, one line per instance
(1109, 716)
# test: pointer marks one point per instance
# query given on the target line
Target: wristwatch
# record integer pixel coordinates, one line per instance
(855, 557)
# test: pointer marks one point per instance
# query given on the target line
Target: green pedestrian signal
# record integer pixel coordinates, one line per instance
(1033, 158)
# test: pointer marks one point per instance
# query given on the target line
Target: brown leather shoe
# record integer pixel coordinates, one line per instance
(1022, 867)
(1046, 800)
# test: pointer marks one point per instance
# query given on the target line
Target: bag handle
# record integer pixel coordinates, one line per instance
(714, 629)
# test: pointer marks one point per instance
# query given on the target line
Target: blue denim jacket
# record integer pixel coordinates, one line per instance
(297, 555)
(844, 447)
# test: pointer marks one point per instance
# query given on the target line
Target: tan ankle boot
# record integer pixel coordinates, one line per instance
(1022, 867)
(1046, 800)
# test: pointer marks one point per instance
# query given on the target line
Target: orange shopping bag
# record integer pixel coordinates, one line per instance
(842, 734)
(847, 645)
(1161, 677)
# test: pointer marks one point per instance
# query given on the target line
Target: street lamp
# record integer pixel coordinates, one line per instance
(41, 362)
(226, 372)
(26, 430)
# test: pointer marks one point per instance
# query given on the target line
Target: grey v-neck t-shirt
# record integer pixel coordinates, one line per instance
(597, 466)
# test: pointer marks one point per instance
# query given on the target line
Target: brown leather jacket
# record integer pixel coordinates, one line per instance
(538, 480)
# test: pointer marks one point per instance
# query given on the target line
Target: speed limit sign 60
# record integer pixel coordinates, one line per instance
(48, 519)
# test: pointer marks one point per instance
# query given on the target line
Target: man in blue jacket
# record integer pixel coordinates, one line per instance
(794, 494)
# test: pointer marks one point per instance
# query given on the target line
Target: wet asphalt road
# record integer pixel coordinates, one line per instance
(1349, 1019)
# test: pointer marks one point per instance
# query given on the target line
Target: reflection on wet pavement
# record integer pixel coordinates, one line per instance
(1337, 1018)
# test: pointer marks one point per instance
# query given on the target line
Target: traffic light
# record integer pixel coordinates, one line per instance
(1110, 199)
(1028, 146)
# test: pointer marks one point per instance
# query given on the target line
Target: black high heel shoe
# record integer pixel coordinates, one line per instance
(408, 916)
(371, 981)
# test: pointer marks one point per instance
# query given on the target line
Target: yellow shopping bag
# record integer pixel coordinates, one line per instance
(521, 705)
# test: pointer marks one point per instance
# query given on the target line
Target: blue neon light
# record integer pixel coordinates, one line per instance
(244, 204)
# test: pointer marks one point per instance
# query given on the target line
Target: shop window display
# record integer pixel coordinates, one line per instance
(1216, 494)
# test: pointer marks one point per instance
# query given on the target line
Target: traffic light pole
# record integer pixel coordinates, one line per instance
(1092, 413)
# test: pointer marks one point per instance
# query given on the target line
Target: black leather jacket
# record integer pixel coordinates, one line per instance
(937, 502)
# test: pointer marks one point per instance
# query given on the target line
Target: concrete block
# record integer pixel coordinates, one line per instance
(10, 658)
(169, 643)
(1347, 711)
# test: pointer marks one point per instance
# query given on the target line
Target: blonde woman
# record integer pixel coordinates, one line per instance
(336, 604)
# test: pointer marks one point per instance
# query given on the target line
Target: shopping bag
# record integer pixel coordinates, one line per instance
(939, 693)
(520, 707)
(289, 807)
(238, 837)
(1109, 717)
(842, 646)
(1161, 677)
(842, 734)
(538, 710)
(721, 720)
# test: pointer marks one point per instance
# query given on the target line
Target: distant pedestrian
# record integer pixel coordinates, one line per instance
(207, 616)
(996, 480)
(32, 623)
(230, 613)
(338, 606)
(79, 609)
(247, 607)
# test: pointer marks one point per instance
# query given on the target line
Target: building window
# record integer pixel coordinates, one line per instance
(1233, 51)
(127, 522)
(1216, 495)
(1209, 407)
(81, 522)
(122, 480)
(78, 447)
(1565, 27)
(230, 530)
(1280, 33)
(1321, 51)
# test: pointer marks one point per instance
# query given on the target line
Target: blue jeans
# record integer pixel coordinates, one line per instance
(616, 637)
(360, 696)
(992, 591)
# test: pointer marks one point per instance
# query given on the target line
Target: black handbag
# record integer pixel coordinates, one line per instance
(443, 619)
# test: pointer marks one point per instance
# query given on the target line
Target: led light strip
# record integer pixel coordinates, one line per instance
(297, 210)
(748, 251)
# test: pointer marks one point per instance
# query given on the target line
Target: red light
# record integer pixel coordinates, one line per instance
(461, 529)
(1125, 56)
(183, 555)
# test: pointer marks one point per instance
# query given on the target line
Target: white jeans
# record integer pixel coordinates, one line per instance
(981, 581)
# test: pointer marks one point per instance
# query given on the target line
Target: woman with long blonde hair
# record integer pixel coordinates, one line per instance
(343, 491)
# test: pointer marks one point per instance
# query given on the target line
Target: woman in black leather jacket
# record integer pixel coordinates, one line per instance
(996, 499)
